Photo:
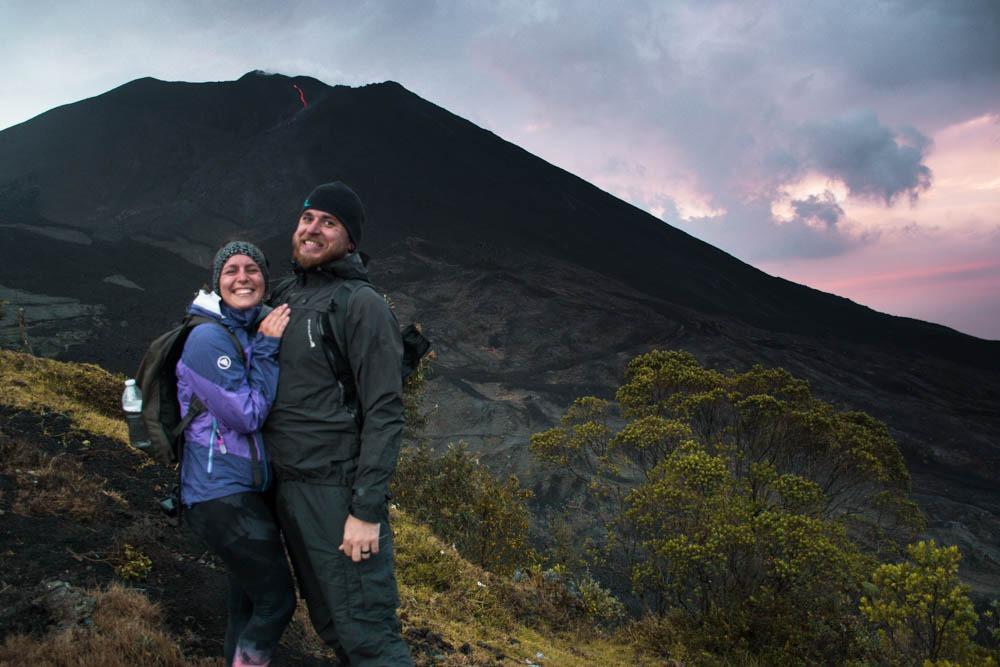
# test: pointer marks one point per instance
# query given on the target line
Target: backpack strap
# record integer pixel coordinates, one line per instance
(195, 408)
(415, 344)
(335, 337)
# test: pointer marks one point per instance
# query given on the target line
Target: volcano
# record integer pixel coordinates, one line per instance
(535, 286)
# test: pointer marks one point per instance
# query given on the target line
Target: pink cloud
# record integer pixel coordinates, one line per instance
(936, 260)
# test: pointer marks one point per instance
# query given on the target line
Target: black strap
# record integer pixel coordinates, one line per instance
(195, 408)
(335, 348)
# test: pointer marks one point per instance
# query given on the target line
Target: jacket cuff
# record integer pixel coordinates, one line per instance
(369, 505)
(266, 345)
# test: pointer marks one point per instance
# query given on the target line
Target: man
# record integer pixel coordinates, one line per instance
(334, 446)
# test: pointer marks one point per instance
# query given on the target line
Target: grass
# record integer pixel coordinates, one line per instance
(51, 485)
(126, 631)
(465, 604)
(89, 395)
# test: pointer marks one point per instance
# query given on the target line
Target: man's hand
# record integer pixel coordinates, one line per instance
(360, 539)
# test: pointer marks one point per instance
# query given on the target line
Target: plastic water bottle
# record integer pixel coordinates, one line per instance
(132, 406)
(131, 397)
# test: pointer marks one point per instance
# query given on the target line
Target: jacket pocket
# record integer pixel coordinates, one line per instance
(371, 584)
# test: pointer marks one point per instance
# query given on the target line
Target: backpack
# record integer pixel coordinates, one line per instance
(157, 380)
(415, 344)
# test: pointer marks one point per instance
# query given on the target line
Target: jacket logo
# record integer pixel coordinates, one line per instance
(309, 332)
(224, 362)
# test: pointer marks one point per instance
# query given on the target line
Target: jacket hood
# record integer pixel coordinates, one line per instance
(210, 304)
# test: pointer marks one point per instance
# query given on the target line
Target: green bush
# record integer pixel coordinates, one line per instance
(134, 565)
(921, 610)
(486, 519)
(554, 598)
(413, 400)
(744, 512)
(599, 604)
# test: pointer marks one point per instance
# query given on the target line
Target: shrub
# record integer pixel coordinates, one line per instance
(922, 612)
(736, 504)
(134, 565)
(599, 605)
(556, 599)
(486, 519)
(413, 399)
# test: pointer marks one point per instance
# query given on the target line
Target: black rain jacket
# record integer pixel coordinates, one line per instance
(312, 433)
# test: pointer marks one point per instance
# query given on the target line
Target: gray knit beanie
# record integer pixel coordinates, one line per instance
(237, 248)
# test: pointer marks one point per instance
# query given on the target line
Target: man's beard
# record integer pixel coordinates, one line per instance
(304, 262)
(310, 261)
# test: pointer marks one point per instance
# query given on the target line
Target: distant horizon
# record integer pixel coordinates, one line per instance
(847, 155)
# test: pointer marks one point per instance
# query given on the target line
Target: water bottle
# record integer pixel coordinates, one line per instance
(132, 406)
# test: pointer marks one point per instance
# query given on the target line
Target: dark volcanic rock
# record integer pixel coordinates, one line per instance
(535, 286)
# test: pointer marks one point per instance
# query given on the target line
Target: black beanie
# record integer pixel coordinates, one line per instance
(339, 200)
(237, 248)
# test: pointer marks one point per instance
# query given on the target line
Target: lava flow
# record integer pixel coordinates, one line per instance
(302, 96)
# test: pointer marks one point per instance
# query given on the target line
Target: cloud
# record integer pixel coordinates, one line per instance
(869, 158)
(750, 230)
(818, 208)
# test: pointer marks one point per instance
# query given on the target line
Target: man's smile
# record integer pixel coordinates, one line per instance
(320, 237)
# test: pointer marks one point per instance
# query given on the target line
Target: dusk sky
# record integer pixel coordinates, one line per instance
(850, 146)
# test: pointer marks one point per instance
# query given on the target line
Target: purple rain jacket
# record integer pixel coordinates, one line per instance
(237, 394)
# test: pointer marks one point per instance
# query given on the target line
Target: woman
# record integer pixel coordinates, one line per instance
(224, 467)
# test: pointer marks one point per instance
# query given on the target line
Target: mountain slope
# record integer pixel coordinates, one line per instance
(534, 285)
(175, 162)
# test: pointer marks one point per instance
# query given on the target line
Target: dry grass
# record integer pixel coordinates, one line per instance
(87, 394)
(126, 631)
(51, 485)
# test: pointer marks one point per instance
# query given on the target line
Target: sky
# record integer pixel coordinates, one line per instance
(852, 146)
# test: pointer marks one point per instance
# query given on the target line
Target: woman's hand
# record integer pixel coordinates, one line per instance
(274, 324)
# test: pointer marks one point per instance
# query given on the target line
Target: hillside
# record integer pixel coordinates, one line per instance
(534, 285)
(79, 507)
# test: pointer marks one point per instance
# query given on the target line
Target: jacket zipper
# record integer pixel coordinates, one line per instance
(211, 445)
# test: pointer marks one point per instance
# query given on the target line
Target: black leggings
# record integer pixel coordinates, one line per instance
(240, 529)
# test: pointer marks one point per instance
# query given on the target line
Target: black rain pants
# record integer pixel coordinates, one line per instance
(241, 530)
(352, 605)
